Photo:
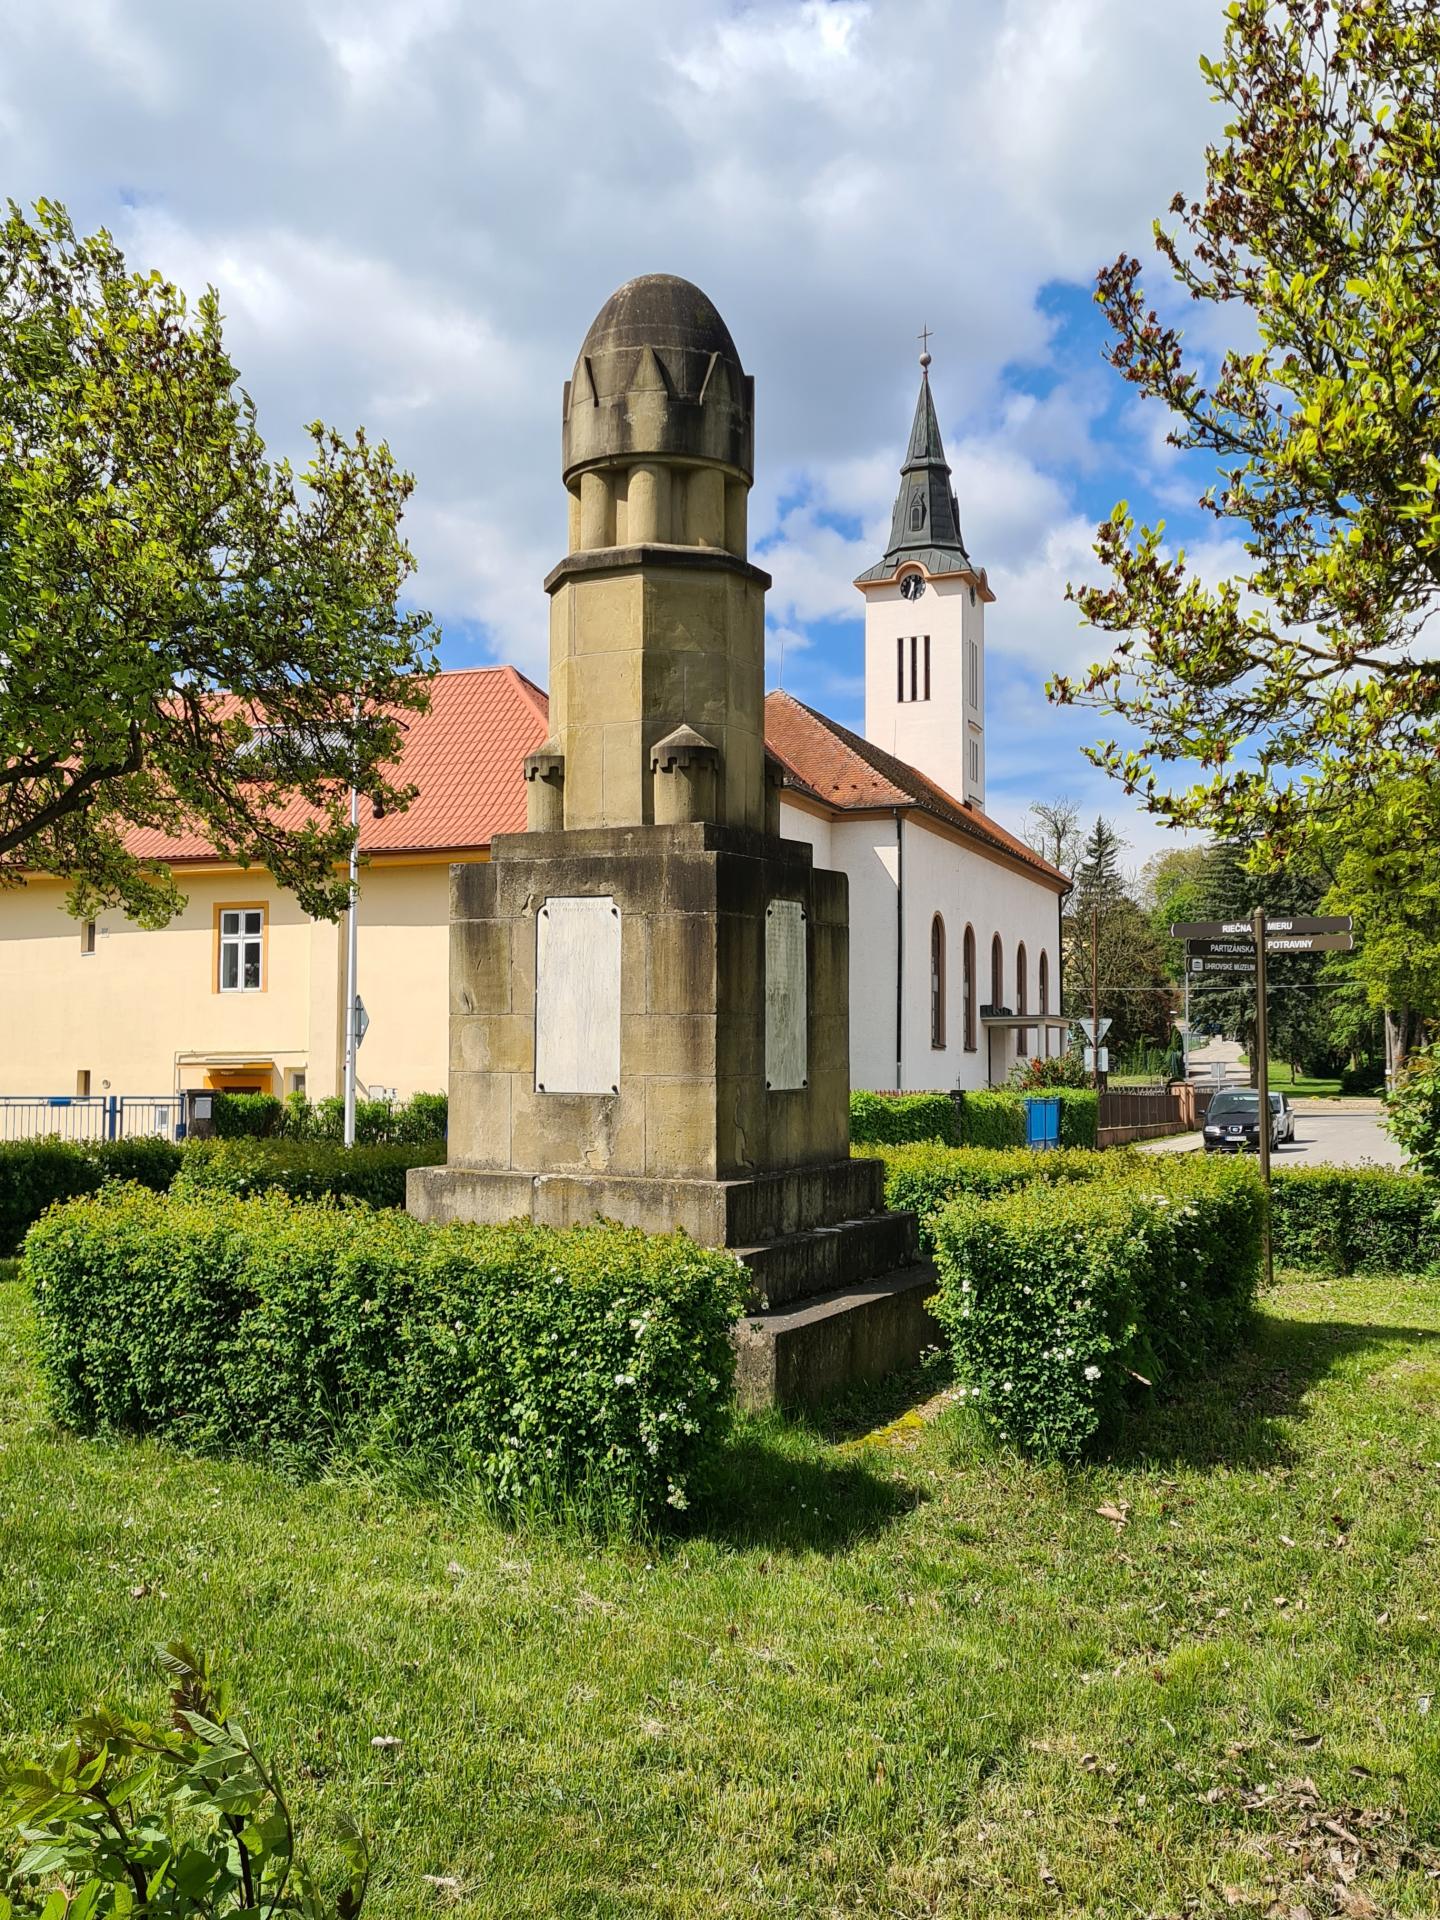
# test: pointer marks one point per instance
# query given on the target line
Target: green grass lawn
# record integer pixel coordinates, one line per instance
(1303, 1086)
(897, 1676)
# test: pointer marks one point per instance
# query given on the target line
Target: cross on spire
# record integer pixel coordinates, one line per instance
(924, 338)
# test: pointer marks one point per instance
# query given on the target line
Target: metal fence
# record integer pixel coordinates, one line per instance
(91, 1116)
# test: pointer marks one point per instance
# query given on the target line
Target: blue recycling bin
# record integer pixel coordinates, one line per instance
(1042, 1124)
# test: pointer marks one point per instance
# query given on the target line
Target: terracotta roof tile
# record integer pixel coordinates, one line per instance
(844, 771)
(463, 754)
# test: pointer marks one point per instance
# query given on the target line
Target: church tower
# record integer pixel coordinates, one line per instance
(925, 624)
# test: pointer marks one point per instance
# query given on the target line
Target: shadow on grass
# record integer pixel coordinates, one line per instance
(1242, 1412)
(774, 1487)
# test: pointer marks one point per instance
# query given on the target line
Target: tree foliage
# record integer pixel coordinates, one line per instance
(1387, 879)
(1134, 992)
(170, 1820)
(190, 638)
(1318, 234)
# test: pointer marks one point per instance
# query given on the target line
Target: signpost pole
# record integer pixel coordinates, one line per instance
(1262, 1054)
(352, 968)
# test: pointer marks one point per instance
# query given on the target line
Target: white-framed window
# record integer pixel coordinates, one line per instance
(87, 936)
(242, 949)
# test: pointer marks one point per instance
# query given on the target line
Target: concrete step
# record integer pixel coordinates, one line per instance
(802, 1354)
(796, 1266)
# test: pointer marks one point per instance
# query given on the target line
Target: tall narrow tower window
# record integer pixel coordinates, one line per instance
(899, 666)
(917, 513)
(914, 650)
(926, 694)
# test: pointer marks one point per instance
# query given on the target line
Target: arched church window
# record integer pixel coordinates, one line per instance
(917, 513)
(968, 987)
(1022, 998)
(1045, 994)
(937, 982)
(997, 973)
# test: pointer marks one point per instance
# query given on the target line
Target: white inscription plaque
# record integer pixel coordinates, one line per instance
(787, 1063)
(577, 995)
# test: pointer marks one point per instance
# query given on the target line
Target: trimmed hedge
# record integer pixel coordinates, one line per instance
(594, 1361)
(305, 1169)
(993, 1119)
(890, 1119)
(35, 1173)
(1061, 1301)
(247, 1116)
(1079, 1115)
(924, 1178)
(1344, 1220)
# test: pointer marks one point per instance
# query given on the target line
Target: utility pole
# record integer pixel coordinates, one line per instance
(1095, 988)
(352, 965)
(1262, 1054)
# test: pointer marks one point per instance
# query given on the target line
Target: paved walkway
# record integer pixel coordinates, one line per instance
(1327, 1133)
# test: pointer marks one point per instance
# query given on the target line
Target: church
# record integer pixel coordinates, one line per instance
(954, 922)
(954, 949)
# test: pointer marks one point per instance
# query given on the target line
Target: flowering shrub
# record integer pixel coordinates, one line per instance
(541, 1362)
(887, 1119)
(922, 1179)
(1412, 1112)
(1062, 1301)
(1053, 1070)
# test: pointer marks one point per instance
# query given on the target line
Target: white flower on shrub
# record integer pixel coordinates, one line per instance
(1092, 1373)
(624, 1379)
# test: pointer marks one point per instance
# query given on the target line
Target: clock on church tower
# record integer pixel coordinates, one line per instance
(925, 624)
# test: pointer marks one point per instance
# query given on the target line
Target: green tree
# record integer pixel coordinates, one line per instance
(1134, 993)
(1230, 890)
(1172, 889)
(188, 637)
(1388, 880)
(1318, 229)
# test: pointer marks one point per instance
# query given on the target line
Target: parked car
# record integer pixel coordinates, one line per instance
(1284, 1116)
(1232, 1122)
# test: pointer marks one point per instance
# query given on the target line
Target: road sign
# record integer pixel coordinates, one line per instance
(1087, 1027)
(362, 1021)
(1104, 1056)
(1274, 923)
(1309, 942)
(1242, 952)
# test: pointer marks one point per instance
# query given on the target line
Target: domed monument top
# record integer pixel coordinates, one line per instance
(658, 377)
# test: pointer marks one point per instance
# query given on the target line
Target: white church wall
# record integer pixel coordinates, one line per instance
(943, 876)
(798, 824)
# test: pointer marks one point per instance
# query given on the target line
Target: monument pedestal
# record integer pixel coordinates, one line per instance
(650, 1024)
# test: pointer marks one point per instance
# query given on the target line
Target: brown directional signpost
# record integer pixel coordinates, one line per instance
(1240, 948)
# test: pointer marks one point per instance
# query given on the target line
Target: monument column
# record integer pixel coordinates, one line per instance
(648, 989)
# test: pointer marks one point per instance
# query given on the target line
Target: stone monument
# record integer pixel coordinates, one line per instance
(649, 999)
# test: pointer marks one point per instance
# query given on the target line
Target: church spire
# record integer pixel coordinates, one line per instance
(925, 526)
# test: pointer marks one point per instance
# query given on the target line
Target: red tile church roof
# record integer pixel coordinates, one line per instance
(843, 771)
(464, 756)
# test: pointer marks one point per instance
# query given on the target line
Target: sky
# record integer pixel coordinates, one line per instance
(412, 210)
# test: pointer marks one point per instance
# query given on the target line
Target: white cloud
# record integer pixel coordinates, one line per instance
(412, 208)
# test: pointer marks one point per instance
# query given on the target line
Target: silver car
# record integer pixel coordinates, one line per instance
(1284, 1115)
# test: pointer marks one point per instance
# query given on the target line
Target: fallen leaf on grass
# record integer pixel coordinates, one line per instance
(1117, 1516)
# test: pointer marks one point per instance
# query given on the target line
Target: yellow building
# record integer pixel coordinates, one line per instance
(243, 991)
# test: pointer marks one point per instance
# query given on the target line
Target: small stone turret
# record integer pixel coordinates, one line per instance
(657, 617)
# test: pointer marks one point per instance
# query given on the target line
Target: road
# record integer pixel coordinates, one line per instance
(1334, 1133)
